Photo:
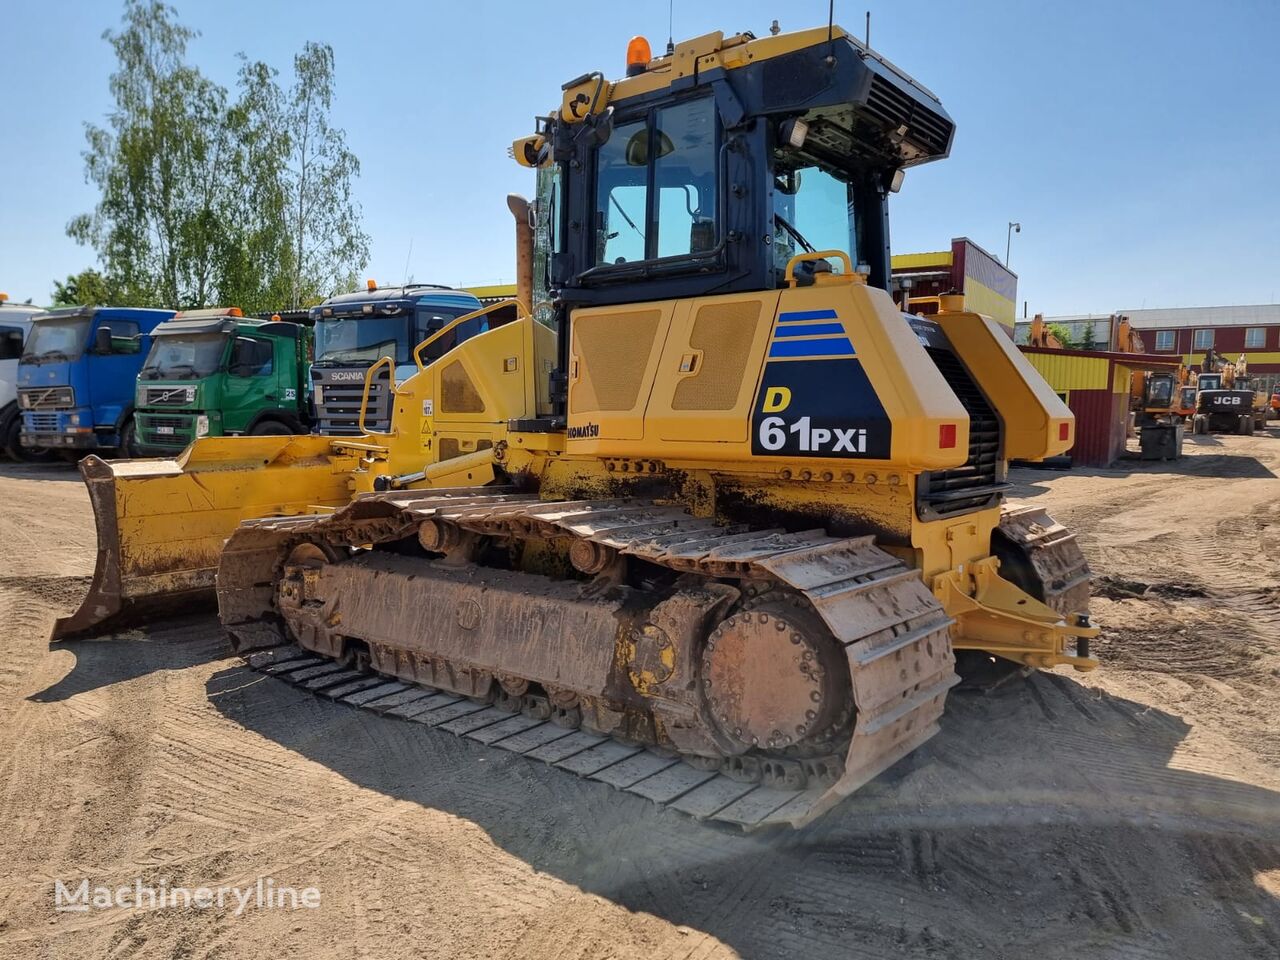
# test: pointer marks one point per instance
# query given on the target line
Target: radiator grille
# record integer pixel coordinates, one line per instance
(338, 404)
(457, 393)
(47, 398)
(973, 484)
(895, 109)
(169, 396)
(613, 351)
(724, 332)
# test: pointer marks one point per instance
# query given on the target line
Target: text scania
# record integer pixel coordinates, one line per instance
(774, 430)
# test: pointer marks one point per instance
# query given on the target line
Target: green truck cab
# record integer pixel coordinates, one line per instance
(216, 373)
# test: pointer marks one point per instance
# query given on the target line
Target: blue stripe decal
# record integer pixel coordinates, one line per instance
(813, 329)
(837, 347)
(796, 316)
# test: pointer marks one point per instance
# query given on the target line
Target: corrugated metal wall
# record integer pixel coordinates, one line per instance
(1065, 372)
(1097, 391)
(1100, 426)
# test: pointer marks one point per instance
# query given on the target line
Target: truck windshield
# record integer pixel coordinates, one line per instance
(364, 339)
(56, 339)
(184, 358)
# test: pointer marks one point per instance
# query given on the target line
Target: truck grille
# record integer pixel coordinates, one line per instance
(167, 396)
(338, 404)
(42, 422)
(47, 398)
(149, 426)
(975, 484)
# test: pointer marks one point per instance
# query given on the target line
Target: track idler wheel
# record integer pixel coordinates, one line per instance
(773, 677)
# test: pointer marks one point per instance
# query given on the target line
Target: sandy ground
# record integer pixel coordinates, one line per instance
(1134, 812)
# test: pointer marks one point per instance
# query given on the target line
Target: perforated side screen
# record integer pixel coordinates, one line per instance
(724, 332)
(613, 351)
(457, 393)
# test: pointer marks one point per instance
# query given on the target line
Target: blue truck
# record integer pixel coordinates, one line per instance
(78, 374)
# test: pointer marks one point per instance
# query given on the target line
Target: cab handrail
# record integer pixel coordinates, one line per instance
(391, 395)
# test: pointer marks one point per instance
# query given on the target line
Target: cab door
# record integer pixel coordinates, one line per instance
(113, 372)
(251, 382)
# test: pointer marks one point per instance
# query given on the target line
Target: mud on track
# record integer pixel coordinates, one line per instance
(1130, 813)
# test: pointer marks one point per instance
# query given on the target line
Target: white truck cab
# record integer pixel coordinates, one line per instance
(15, 324)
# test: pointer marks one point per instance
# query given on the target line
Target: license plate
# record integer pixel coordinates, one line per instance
(167, 430)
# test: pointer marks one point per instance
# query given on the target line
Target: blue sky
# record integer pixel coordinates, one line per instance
(1138, 143)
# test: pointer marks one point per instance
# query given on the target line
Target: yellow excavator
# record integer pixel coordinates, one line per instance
(717, 539)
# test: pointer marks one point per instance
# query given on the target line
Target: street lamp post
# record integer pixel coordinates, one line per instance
(1008, 241)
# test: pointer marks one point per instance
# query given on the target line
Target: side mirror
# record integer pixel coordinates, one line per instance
(102, 340)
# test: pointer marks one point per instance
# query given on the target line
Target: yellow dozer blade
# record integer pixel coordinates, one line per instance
(161, 524)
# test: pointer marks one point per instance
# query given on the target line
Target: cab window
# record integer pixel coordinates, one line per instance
(622, 193)
(124, 336)
(684, 175)
(431, 319)
(250, 357)
(10, 343)
(656, 185)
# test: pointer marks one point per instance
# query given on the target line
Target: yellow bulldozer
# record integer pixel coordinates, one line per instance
(719, 537)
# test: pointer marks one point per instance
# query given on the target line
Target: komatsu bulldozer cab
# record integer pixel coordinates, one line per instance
(709, 169)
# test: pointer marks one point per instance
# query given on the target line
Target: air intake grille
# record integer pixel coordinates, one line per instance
(613, 352)
(723, 332)
(974, 484)
(47, 398)
(896, 109)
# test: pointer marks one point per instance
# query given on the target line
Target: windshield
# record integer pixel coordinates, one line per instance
(56, 339)
(363, 339)
(812, 211)
(1160, 391)
(184, 358)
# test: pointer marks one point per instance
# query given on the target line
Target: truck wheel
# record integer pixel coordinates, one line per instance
(271, 428)
(129, 440)
(1197, 424)
(1244, 426)
(10, 430)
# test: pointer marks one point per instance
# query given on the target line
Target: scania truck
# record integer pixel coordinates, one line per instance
(356, 330)
(76, 378)
(216, 373)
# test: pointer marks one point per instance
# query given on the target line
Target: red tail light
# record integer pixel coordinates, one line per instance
(946, 436)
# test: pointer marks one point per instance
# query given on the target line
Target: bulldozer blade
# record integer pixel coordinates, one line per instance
(161, 524)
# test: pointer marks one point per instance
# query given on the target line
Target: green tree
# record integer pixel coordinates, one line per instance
(256, 271)
(206, 198)
(1088, 341)
(329, 247)
(160, 165)
(86, 288)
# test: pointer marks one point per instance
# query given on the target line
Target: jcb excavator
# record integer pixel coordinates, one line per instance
(739, 514)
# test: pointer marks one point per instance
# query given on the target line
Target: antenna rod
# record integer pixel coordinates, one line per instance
(831, 18)
(868, 29)
(671, 33)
